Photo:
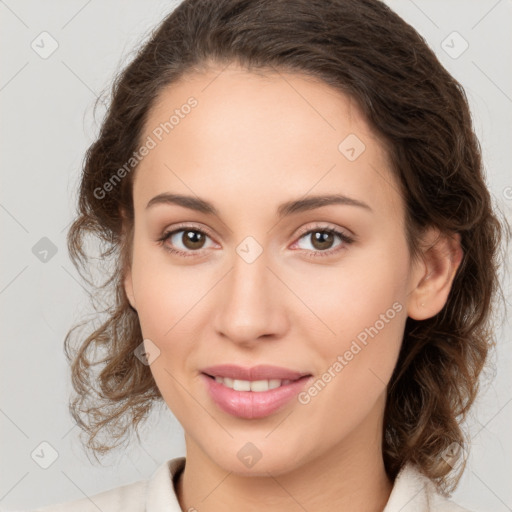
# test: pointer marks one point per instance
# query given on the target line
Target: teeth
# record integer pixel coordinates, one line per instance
(252, 385)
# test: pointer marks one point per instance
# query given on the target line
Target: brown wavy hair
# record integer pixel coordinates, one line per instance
(365, 50)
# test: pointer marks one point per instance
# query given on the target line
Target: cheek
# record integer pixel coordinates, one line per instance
(167, 298)
(365, 312)
(164, 291)
(355, 294)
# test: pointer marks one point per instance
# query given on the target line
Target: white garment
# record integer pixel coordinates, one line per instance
(412, 492)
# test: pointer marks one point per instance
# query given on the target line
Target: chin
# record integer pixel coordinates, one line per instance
(255, 460)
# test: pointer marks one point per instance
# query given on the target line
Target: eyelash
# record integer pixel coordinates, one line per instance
(346, 240)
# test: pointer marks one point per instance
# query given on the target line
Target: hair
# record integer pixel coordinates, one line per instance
(420, 112)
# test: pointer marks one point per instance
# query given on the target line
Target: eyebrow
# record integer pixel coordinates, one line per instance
(284, 210)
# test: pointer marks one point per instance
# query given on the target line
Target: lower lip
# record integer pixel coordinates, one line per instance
(252, 404)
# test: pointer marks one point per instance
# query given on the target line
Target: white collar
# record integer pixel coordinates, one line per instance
(412, 491)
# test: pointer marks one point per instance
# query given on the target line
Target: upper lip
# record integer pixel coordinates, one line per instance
(260, 372)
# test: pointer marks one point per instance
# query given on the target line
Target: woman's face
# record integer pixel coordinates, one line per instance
(251, 286)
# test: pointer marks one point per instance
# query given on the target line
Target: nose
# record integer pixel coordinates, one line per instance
(251, 305)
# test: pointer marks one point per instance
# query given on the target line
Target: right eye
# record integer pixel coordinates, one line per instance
(192, 240)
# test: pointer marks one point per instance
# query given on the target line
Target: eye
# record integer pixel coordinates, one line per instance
(322, 239)
(192, 239)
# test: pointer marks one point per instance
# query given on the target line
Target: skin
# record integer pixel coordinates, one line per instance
(253, 142)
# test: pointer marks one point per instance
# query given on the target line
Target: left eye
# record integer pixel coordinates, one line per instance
(323, 238)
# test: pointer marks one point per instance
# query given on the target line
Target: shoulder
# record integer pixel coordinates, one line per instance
(414, 492)
(128, 498)
(152, 495)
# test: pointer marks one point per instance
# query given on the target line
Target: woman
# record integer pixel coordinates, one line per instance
(305, 257)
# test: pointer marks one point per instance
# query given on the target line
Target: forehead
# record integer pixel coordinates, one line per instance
(261, 136)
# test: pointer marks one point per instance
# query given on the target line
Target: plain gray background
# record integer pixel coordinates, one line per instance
(46, 126)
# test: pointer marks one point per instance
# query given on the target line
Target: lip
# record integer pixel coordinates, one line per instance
(260, 372)
(251, 404)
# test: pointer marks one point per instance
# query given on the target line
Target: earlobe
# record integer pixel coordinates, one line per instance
(435, 275)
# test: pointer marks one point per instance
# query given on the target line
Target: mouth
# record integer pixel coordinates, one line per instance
(252, 399)
(254, 373)
(257, 386)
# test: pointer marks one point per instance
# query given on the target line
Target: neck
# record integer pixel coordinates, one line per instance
(348, 477)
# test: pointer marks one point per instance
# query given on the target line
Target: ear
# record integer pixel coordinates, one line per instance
(127, 280)
(128, 288)
(433, 275)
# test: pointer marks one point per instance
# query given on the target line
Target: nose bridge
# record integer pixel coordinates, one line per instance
(249, 277)
(249, 306)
